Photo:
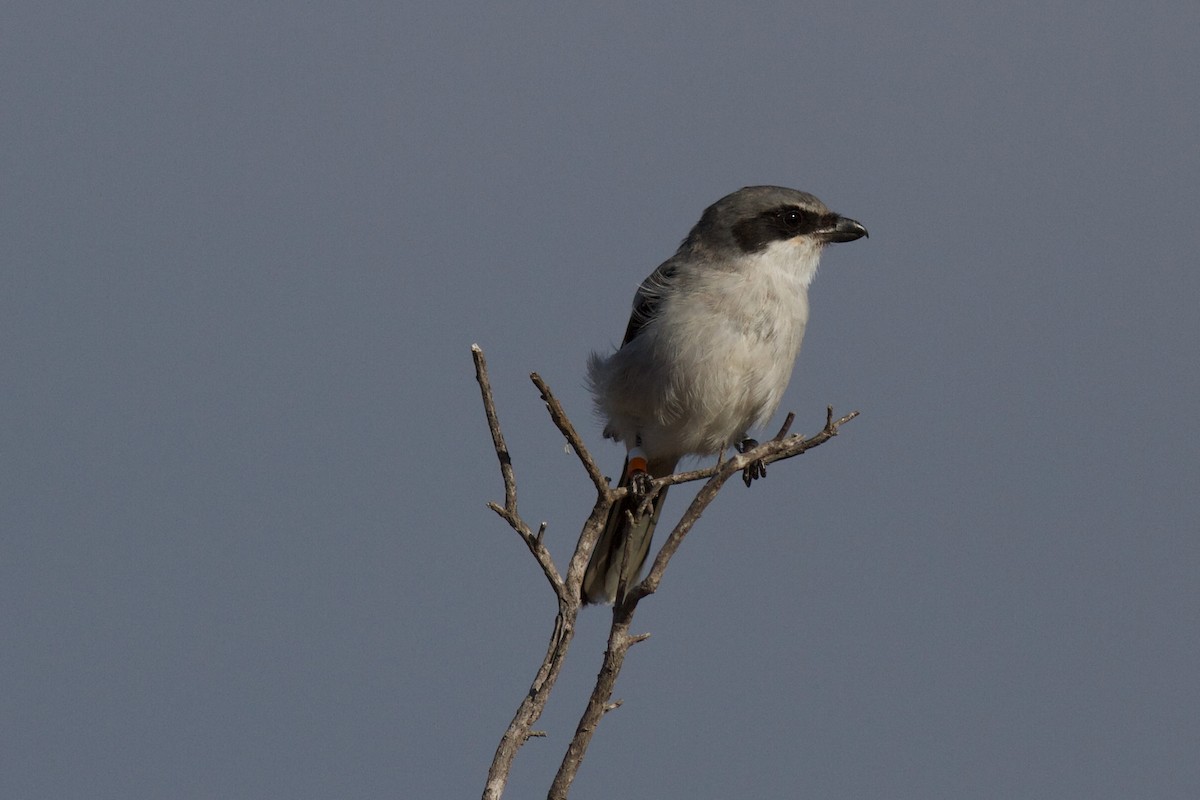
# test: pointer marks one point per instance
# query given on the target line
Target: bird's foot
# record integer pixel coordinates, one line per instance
(637, 475)
(756, 468)
(640, 484)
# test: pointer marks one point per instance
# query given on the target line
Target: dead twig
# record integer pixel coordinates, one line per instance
(508, 512)
(567, 589)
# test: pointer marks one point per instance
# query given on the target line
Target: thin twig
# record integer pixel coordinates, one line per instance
(489, 408)
(559, 417)
(776, 449)
(787, 426)
(605, 495)
(509, 511)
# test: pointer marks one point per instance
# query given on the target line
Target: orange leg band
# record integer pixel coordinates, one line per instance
(637, 462)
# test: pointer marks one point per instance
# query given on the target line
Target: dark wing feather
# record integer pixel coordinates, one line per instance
(648, 300)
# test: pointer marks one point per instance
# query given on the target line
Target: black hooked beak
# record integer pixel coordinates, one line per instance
(843, 229)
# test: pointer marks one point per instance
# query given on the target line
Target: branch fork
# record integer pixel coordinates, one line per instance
(567, 587)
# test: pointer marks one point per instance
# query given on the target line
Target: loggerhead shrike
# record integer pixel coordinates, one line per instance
(707, 354)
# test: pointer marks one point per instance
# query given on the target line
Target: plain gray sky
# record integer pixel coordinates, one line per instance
(246, 248)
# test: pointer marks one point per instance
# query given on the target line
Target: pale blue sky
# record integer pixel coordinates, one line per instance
(244, 550)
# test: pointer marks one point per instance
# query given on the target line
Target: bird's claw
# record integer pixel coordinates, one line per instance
(640, 483)
(756, 468)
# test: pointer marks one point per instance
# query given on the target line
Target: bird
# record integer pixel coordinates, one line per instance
(709, 349)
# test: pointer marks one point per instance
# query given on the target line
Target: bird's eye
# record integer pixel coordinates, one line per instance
(793, 217)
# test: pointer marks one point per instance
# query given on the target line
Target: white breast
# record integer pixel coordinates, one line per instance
(718, 358)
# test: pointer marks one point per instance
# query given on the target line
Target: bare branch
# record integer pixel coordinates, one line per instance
(534, 543)
(568, 430)
(777, 449)
(521, 728)
(509, 512)
(787, 425)
(605, 495)
(699, 503)
(567, 590)
(598, 703)
(584, 547)
(489, 408)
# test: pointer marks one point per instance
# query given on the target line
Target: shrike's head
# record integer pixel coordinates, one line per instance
(752, 220)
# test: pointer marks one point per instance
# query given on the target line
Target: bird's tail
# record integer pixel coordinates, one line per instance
(621, 543)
